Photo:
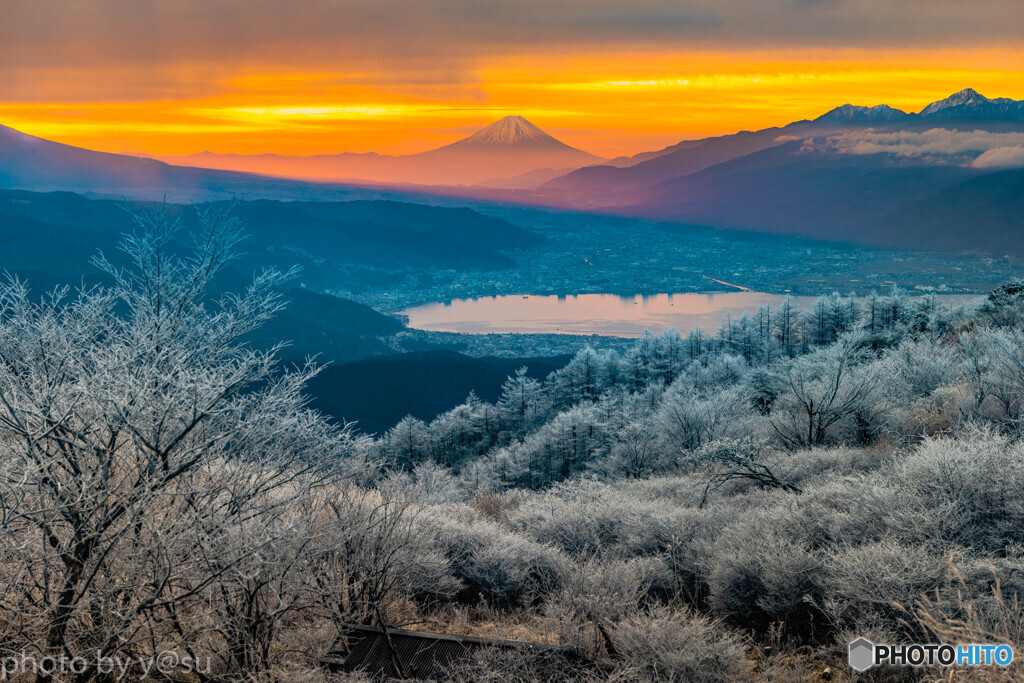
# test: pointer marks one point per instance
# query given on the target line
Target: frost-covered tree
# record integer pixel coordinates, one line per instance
(407, 443)
(464, 432)
(821, 390)
(787, 327)
(146, 452)
(637, 362)
(688, 419)
(670, 356)
(1004, 306)
(1004, 351)
(583, 378)
(635, 452)
(523, 404)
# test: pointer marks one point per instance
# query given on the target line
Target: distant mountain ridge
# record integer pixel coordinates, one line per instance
(616, 182)
(32, 163)
(850, 112)
(870, 175)
(507, 148)
(966, 104)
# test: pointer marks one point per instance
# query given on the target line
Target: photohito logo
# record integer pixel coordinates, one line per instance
(864, 654)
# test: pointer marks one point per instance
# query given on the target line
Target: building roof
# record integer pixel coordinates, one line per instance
(396, 653)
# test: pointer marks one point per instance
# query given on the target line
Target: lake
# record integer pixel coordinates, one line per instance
(605, 314)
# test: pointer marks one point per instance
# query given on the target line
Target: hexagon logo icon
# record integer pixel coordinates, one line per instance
(862, 654)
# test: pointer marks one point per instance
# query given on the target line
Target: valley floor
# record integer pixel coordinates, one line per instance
(594, 254)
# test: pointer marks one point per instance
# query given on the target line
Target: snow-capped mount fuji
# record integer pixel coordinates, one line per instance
(511, 130)
(509, 147)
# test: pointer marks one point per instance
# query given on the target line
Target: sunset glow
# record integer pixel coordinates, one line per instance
(104, 87)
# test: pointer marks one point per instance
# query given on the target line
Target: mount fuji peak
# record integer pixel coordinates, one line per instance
(509, 147)
(515, 135)
(510, 130)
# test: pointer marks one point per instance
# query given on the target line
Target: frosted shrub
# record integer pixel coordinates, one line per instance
(665, 492)
(1005, 350)
(513, 570)
(370, 554)
(595, 595)
(608, 525)
(743, 461)
(870, 586)
(920, 366)
(844, 511)
(427, 484)
(963, 491)
(668, 645)
(686, 419)
(635, 452)
(757, 578)
(821, 465)
(694, 530)
(942, 411)
(496, 665)
(362, 460)
(494, 565)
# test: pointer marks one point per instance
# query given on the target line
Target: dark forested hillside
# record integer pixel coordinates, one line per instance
(334, 330)
(48, 239)
(370, 233)
(389, 234)
(378, 392)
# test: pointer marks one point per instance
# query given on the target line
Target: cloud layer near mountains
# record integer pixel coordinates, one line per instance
(983, 149)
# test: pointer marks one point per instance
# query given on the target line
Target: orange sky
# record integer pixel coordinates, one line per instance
(166, 78)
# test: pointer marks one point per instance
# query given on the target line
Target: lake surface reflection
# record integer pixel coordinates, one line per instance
(605, 314)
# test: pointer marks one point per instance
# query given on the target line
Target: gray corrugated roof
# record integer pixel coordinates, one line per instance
(419, 654)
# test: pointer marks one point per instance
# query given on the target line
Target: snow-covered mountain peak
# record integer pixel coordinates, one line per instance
(510, 130)
(967, 96)
(850, 112)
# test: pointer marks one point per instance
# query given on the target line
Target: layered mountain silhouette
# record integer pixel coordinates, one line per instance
(964, 110)
(32, 163)
(948, 177)
(506, 149)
